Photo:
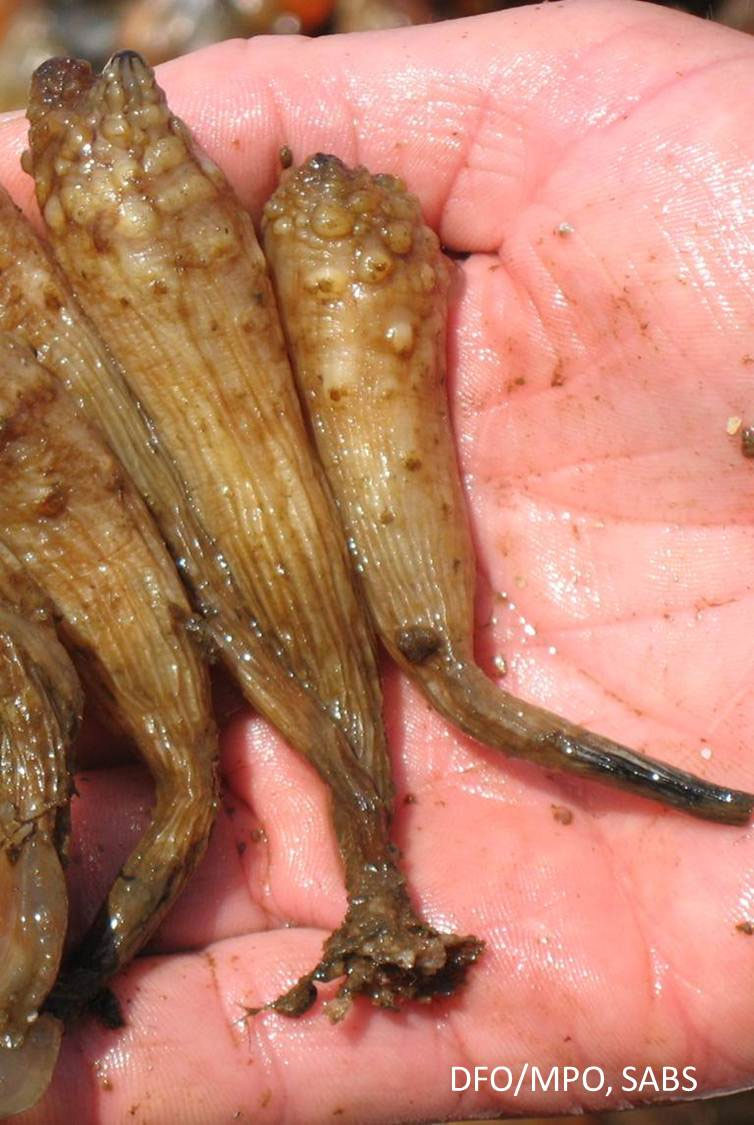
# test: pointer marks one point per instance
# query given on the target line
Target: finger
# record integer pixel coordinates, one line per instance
(187, 1051)
(271, 860)
(513, 91)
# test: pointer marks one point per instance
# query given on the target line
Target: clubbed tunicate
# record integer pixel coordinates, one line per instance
(387, 447)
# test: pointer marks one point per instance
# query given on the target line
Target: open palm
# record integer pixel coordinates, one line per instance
(596, 163)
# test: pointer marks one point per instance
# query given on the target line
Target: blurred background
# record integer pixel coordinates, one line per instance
(33, 30)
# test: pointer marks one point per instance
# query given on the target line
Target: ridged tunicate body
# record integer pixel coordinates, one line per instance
(363, 289)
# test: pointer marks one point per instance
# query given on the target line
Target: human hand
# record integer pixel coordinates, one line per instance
(595, 359)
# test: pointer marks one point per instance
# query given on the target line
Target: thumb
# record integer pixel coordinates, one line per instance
(456, 108)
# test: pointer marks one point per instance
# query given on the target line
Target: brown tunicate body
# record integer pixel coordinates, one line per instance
(75, 521)
(37, 307)
(362, 287)
(165, 262)
(40, 711)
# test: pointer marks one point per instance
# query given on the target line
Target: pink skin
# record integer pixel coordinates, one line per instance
(595, 360)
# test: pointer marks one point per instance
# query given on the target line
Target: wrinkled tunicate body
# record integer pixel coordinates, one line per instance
(83, 534)
(363, 287)
(165, 263)
(40, 711)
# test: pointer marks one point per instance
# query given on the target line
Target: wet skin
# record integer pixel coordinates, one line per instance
(595, 360)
